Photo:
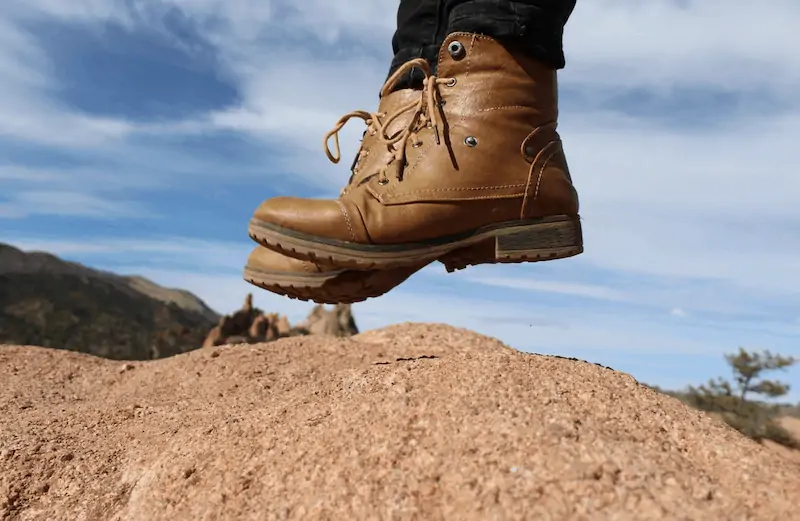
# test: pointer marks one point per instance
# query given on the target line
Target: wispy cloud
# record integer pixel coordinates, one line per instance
(195, 255)
(664, 44)
(551, 286)
(76, 204)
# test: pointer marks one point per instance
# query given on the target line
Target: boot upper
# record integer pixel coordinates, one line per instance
(478, 146)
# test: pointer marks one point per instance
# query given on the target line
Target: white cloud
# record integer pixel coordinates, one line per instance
(65, 178)
(580, 282)
(30, 113)
(662, 44)
(656, 45)
(677, 312)
(195, 254)
(552, 286)
(76, 10)
(23, 204)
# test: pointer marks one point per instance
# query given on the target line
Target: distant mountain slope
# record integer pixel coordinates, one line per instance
(50, 302)
(16, 261)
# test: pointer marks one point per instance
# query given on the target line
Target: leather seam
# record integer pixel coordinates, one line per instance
(541, 174)
(347, 220)
(474, 198)
(363, 223)
(489, 109)
(530, 171)
(457, 189)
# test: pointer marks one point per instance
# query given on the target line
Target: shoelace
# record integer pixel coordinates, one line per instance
(371, 119)
(425, 116)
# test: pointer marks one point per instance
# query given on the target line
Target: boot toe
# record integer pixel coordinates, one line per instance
(316, 217)
(266, 260)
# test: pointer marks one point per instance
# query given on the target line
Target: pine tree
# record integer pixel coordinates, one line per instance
(753, 418)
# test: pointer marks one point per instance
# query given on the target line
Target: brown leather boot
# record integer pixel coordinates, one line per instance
(479, 161)
(307, 280)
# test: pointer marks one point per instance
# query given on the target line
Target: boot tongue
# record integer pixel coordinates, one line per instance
(373, 154)
(393, 102)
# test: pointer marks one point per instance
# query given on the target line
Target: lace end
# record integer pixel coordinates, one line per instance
(331, 157)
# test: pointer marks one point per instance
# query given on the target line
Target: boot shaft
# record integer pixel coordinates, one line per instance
(498, 110)
(481, 148)
(478, 160)
(488, 75)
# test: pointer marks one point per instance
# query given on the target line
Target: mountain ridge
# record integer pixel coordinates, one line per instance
(15, 261)
(52, 302)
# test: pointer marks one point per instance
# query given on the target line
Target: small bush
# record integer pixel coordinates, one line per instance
(755, 419)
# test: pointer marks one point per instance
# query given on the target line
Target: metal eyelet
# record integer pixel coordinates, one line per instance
(383, 182)
(451, 82)
(456, 50)
(471, 141)
(416, 144)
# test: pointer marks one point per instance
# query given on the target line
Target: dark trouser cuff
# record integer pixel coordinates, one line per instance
(537, 30)
(534, 28)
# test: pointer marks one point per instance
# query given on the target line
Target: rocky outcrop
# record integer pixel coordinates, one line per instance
(250, 325)
(338, 322)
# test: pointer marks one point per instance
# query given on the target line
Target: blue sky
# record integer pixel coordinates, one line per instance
(138, 136)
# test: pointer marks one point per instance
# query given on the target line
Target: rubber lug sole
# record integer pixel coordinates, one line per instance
(512, 242)
(340, 287)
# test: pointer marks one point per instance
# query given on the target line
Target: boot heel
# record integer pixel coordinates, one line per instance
(540, 241)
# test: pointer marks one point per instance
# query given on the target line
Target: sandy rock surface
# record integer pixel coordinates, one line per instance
(409, 422)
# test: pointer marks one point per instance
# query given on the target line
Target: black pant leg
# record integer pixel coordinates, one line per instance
(536, 26)
(419, 24)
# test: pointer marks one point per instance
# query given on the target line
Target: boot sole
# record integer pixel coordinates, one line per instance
(351, 286)
(532, 240)
(337, 287)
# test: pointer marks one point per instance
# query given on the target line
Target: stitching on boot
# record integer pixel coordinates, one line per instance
(411, 166)
(469, 60)
(541, 174)
(389, 197)
(459, 189)
(347, 220)
(530, 171)
(458, 34)
(503, 108)
(534, 164)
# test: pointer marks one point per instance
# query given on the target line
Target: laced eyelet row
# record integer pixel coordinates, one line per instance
(425, 110)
